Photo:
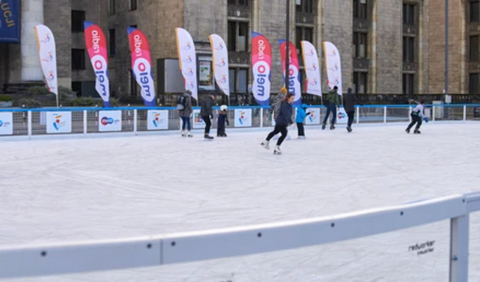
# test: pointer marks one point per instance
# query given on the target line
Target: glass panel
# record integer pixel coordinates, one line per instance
(242, 81)
(112, 44)
(474, 48)
(298, 5)
(411, 49)
(78, 17)
(363, 45)
(232, 33)
(231, 77)
(474, 81)
(243, 37)
(475, 11)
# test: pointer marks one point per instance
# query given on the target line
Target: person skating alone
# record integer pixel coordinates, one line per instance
(222, 119)
(334, 101)
(185, 106)
(417, 116)
(283, 120)
(301, 115)
(206, 113)
(349, 101)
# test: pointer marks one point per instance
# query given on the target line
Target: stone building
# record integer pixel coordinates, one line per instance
(387, 46)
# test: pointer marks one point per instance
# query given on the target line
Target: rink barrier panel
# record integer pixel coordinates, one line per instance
(31, 122)
(80, 257)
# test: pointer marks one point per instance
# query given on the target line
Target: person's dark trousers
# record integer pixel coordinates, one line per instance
(415, 120)
(186, 123)
(331, 108)
(221, 129)
(208, 124)
(350, 118)
(301, 129)
(278, 129)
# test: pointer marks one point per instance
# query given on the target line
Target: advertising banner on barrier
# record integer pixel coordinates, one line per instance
(294, 85)
(314, 117)
(96, 43)
(198, 122)
(142, 65)
(187, 58)
(333, 65)
(220, 63)
(261, 68)
(342, 117)
(243, 117)
(157, 120)
(109, 121)
(10, 21)
(59, 122)
(313, 83)
(48, 56)
(6, 123)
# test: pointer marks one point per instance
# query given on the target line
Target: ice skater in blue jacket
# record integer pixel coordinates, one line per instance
(301, 115)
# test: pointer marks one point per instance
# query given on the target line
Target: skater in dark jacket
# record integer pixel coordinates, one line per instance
(207, 114)
(334, 101)
(349, 101)
(222, 119)
(283, 120)
(185, 114)
(417, 117)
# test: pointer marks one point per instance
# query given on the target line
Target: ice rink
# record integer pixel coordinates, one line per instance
(56, 190)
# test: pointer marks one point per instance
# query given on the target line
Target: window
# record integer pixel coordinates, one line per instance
(112, 46)
(238, 36)
(409, 14)
(303, 33)
(474, 81)
(111, 7)
(408, 49)
(360, 9)
(238, 2)
(474, 48)
(304, 6)
(133, 5)
(133, 84)
(78, 59)
(474, 10)
(408, 83)
(360, 41)
(77, 88)
(78, 17)
(360, 80)
(238, 80)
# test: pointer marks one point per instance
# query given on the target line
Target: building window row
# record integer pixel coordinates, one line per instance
(133, 5)
(304, 6)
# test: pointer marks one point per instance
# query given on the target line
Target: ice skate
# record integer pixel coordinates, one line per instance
(302, 137)
(277, 150)
(332, 127)
(208, 137)
(324, 126)
(417, 131)
(190, 135)
(265, 144)
(407, 131)
(349, 129)
(183, 134)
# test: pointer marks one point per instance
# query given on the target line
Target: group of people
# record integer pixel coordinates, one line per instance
(283, 113)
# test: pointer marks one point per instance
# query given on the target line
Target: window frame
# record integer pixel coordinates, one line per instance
(111, 7)
(360, 10)
(236, 47)
(474, 53)
(409, 50)
(408, 83)
(306, 6)
(357, 77)
(356, 44)
(80, 28)
(133, 5)
(112, 43)
(470, 9)
(82, 65)
(236, 79)
(409, 14)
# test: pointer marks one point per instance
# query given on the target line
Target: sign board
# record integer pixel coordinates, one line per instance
(59, 122)
(6, 123)
(109, 121)
(342, 117)
(157, 120)
(243, 117)
(198, 122)
(314, 117)
(10, 21)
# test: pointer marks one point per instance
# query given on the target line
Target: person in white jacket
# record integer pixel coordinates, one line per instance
(417, 117)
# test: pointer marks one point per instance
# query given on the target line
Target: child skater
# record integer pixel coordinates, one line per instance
(417, 116)
(222, 119)
(301, 115)
(283, 120)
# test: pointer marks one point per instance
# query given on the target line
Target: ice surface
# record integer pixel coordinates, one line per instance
(103, 188)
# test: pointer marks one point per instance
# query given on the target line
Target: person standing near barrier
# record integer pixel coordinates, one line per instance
(301, 115)
(334, 101)
(186, 112)
(283, 120)
(206, 113)
(349, 101)
(417, 116)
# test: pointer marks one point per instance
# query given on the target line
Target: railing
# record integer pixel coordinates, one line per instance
(86, 121)
(57, 259)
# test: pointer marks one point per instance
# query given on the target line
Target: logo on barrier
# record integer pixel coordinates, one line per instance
(242, 118)
(422, 249)
(59, 123)
(107, 121)
(312, 116)
(341, 115)
(1, 123)
(157, 120)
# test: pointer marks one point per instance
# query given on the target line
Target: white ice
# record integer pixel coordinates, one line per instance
(57, 190)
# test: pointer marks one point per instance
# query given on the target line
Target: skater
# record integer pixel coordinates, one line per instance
(207, 114)
(283, 120)
(417, 116)
(277, 102)
(334, 101)
(185, 102)
(222, 119)
(301, 115)
(349, 101)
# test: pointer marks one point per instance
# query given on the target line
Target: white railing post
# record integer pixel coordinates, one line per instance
(261, 117)
(85, 122)
(29, 124)
(459, 244)
(135, 117)
(433, 113)
(385, 114)
(358, 115)
(464, 112)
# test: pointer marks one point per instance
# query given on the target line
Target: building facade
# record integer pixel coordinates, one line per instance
(387, 46)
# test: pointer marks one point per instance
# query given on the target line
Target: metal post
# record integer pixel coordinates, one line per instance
(135, 117)
(464, 112)
(459, 243)
(287, 54)
(433, 113)
(385, 114)
(261, 117)
(29, 122)
(358, 115)
(85, 122)
(446, 48)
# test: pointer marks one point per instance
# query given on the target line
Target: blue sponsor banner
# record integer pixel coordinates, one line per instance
(10, 21)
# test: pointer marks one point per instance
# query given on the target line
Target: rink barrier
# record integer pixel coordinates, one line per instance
(81, 257)
(138, 120)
